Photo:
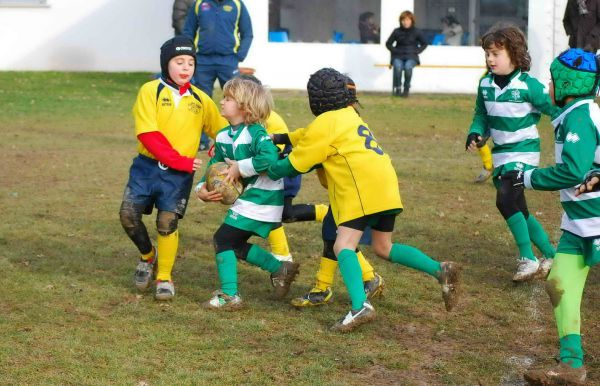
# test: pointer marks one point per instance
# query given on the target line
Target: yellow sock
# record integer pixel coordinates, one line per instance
(368, 273)
(167, 251)
(320, 212)
(149, 255)
(486, 157)
(325, 274)
(278, 242)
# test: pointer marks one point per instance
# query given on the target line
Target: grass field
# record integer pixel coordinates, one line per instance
(69, 313)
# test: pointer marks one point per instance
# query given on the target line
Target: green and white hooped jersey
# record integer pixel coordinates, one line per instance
(582, 213)
(509, 116)
(251, 146)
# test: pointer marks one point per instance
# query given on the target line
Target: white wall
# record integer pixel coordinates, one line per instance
(125, 35)
(85, 35)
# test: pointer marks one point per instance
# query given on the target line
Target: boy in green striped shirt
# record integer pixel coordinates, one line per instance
(248, 149)
(509, 105)
(574, 84)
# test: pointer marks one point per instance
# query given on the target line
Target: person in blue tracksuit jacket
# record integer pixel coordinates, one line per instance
(222, 32)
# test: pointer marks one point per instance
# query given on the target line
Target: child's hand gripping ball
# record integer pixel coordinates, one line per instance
(215, 180)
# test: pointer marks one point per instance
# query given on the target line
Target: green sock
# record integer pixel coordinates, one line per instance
(350, 269)
(518, 227)
(263, 259)
(414, 258)
(540, 238)
(571, 351)
(227, 268)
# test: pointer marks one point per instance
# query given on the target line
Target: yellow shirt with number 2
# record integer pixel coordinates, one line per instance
(361, 179)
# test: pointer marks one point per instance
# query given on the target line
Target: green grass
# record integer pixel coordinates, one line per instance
(69, 313)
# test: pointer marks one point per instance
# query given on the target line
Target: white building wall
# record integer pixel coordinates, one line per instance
(85, 35)
(125, 35)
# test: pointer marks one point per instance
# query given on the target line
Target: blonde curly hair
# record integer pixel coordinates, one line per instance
(253, 99)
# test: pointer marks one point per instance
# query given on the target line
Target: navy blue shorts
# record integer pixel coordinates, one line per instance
(329, 230)
(291, 186)
(153, 184)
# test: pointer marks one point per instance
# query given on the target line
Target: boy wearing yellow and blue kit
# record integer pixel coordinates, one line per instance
(342, 143)
(508, 107)
(170, 115)
(575, 74)
(322, 291)
(248, 149)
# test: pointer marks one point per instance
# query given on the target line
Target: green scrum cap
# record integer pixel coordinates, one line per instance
(575, 73)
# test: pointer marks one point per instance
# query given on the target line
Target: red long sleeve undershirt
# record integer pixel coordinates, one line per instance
(160, 147)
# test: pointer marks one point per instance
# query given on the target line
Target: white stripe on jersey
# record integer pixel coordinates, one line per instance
(266, 213)
(246, 168)
(585, 227)
(245, 138)
(503, 137)
(558, 148)
(224, 138)
(265, 183)
(509, 109)
(529, 158)
(569, 195)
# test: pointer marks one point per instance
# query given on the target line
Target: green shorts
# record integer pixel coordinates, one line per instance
(574, 245)
(260, 228)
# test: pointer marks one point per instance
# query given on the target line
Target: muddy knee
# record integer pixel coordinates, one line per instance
(131, 217)
(554, 291)
(166, 222)
(131, 220)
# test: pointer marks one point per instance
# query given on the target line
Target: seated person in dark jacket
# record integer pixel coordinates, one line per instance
(369, 31)
(405, 44)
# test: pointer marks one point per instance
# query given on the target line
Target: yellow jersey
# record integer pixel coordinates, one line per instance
(361, 179)
(181, 119)
(276, 125)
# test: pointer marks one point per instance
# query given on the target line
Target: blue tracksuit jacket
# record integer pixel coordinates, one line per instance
(222, 30)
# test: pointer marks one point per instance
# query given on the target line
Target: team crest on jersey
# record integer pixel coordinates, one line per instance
(166, 102)
(515, 94)
(597, 244)
(194, 108)
(205, 6)
(572, 137)
(488, 94)
(228, 8)
(519, 166)
(233, 215)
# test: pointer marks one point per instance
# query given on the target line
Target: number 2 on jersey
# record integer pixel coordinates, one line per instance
(369, 140)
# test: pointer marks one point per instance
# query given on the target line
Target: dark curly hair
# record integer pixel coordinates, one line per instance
(512, 39)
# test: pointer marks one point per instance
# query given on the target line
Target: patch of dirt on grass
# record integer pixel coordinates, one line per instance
(381, 375)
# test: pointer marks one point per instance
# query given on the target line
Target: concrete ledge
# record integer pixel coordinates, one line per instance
(16, 4)
(457, 66)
